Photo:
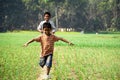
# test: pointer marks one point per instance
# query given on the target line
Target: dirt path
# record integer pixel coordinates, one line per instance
(40, 77)
(42, 74)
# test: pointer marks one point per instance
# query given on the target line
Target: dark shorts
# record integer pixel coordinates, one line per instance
(46, 60)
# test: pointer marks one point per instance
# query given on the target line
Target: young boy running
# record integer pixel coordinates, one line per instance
(47, 17)
(47, 41)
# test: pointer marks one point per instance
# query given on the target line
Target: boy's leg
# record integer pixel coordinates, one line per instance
(48, 70)
(48, 64)
(42, 61)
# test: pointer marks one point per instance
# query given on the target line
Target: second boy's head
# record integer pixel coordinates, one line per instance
(47, 28)
(47, 16)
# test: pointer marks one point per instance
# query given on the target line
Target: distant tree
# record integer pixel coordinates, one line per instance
(12, 14)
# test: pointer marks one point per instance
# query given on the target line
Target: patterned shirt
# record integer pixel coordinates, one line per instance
(47, 43)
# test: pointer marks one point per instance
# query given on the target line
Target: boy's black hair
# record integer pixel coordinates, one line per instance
(47, 25)
(47, 13)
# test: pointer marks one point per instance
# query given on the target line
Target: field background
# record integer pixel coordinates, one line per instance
(93, 57)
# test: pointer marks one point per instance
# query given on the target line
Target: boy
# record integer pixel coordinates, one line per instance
(47, 41)
(47, 17)
(47, 44)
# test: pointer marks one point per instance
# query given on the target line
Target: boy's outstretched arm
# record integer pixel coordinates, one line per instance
(64, 40)
(27, 43)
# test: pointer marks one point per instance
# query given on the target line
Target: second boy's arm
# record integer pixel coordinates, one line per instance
(54, 29)
(39, 28)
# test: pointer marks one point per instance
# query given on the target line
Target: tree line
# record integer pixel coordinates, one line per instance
(87, 15)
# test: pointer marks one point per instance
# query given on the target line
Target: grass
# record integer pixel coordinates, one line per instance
(93, 57)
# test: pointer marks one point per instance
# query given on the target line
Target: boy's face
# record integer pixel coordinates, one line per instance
(47, 31)
(46, 17)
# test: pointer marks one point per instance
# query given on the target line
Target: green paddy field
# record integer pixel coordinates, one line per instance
(93, 57)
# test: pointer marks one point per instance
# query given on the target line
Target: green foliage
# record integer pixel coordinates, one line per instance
(89, 15)
(92, 57)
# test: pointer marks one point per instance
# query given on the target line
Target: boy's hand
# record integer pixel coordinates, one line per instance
(52, 33)
(71, 44)
(25, 45)
(42, 31)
